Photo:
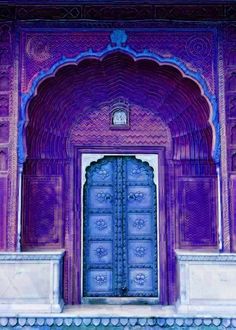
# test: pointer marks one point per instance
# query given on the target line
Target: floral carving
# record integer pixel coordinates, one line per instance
(101, 224)
(100, 279)
(139, 223)
(139, 251)
(104, 197)
(198, 47)
(101, 252)
(118, 37)
(136, 196)
(38, 49)
(102, 172)
(137, 171)
(140, 279)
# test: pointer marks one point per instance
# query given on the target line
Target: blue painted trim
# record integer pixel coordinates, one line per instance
(145, 54)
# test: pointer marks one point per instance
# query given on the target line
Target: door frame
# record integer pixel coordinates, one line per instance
(161, 222)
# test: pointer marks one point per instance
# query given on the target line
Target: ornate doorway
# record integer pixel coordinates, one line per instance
(120, 229)
(166, 115)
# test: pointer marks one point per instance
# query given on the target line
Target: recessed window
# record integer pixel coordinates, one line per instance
(119, 114)
(119, 118)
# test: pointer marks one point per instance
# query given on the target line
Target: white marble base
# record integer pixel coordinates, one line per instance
(31, 282)
(207, 283)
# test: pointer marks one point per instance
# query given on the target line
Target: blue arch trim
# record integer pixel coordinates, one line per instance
(145, 54)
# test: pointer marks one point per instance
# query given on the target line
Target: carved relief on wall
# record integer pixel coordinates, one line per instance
(198, 47)
(44, 210)
(5, 45)
(193, 48)
(3, 209)
(232, 106)
(231, 58)
(196, 227)
(8, 163)
(233, 162)
(232, 82)
(38, 48)
(229, 139)
(4, 131)
(4, 82)
(233, 134)
(92, 130)
(4, 105)
(3, 159)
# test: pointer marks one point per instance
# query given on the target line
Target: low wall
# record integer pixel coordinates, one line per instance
(206, 282)
(31, 282)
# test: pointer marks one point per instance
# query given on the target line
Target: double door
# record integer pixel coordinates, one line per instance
(120, 229)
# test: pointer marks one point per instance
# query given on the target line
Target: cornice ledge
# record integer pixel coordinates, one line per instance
(205, 256)
(41, 255)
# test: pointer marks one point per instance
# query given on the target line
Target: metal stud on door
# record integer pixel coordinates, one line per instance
(120, 234)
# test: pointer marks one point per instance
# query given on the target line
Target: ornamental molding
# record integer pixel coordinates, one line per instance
(121, 322)
(211, 257)
(22, 10)
(10, 256)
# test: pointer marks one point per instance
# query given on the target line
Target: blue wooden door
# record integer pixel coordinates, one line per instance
(120, 229)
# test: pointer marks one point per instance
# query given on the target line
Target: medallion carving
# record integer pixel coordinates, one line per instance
(101, 224)
(104, 197)
(198, 47)
(139, 223)
(100, 279)
(102, 172)
(101, 252)
(140, 279)
(38, 49)
(140, 251)
(136, 196)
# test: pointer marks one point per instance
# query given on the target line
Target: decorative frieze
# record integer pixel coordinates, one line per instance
(126, 323)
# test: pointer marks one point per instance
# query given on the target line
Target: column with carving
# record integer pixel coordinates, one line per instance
(8, 138)
(229, 55)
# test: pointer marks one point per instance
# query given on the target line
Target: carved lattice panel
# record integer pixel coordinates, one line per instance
(3, 210)
(197, 211)
(42, 211)
(233, 207)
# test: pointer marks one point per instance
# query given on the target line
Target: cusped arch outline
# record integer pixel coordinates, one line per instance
(144, 55)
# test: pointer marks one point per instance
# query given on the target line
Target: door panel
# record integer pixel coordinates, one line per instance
(100, 225)
(99, 282)
(139, 223)
(120, 234)
(140, 252)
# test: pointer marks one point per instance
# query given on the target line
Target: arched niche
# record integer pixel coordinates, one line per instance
(168, 116)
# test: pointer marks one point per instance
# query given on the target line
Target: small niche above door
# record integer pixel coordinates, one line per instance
(119, 114)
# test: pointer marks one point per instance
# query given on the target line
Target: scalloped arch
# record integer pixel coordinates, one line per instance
(136, 56)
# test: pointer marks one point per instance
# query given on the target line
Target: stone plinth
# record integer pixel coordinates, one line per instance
(206, 282)
(31, 282)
